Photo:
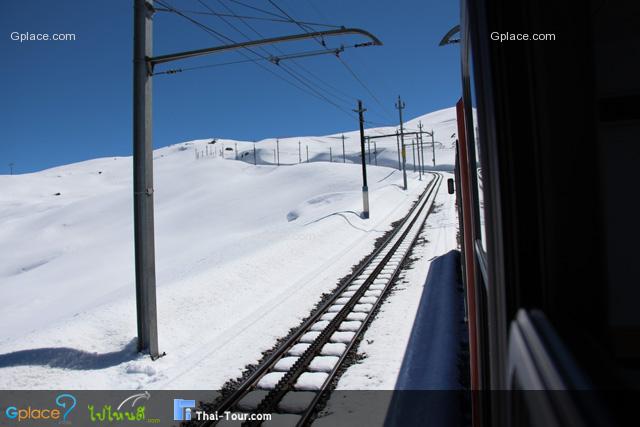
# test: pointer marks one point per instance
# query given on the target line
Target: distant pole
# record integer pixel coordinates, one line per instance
(299, 153)
(255, 159)
(404, 165)
(413, 154)
(236, 150)
(222, 151)
(365, 189)
(433, 147)
(344, 156)
(143, 223)
(400, 106)
(375, 152)
(421, 148)
(418, 152)
(330, 156)
(398, 143)
(11, 168)
(307, 153)
(278, 150)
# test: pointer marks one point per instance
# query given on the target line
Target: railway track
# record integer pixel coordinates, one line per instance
(291, 382)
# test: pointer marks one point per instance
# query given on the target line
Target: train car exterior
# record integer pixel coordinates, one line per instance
(547, 145)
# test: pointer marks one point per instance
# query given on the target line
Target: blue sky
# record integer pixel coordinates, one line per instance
(64, 102)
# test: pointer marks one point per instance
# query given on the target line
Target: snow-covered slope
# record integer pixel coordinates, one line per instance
(243, 252)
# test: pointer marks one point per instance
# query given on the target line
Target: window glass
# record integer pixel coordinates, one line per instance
(477, 142)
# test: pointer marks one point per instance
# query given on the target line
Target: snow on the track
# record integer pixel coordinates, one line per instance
(384, 343)
(243, 253)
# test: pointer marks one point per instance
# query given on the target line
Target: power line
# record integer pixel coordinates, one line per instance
(336, 92)
(220, 36)
(256, 18)
(322, 43)
(257, 8)
(301, 79)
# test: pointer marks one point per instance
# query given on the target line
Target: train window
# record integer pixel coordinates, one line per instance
(482, 235)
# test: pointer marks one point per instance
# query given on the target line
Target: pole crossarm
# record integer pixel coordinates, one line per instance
(393, 134)
(272, 40)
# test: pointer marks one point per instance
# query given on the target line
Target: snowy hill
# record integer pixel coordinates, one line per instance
(231, 240)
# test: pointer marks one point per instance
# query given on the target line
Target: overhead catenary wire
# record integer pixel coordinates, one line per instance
(347, 67)
(301, 79)
(336, 92)
(256, 18)
(222, 38)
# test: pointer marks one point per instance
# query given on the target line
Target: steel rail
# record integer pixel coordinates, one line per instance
(270, 362)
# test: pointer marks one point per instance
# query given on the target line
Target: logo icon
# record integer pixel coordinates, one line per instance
(182, 409)
(64, 401)
(60, 401)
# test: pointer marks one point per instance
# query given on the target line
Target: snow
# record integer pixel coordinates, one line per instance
(311, 380)
(285, 364)
(323, 363)
(269, 380)
(385, 341)
(243, 253)
(342, 337)
(296, 401)
(251, 400)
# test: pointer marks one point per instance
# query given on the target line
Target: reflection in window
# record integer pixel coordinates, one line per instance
(476, 139)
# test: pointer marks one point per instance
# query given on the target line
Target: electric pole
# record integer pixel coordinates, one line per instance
(375, 152)
(278, 151)
(299, 153)
(365, 189)
(420, 158)
(413, 154)
(433, 147)
(144, 244)
(404, 165)
(307, 153)
(398, 144)
(11, 168)
(330, 156)
(255, 159)
(422, 144)
(236, 151)
(344, 156)
(143, 70)
(400, 106)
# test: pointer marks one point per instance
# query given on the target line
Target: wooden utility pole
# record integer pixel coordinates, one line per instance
(299, 153)
(365, 188)
(344, 156)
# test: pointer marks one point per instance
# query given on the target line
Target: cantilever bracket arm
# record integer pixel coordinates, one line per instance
(273, 40)
(447, 39)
